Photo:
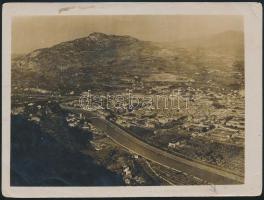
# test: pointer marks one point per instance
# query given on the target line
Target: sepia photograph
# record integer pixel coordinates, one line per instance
(116, 100)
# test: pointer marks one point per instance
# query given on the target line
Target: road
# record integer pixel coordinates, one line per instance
(211, 174)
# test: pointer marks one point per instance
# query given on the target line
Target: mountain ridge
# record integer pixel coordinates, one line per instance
(102, 58)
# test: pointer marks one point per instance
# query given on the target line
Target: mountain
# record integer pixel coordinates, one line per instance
(85, 60)
(101, 61)
(228, 42)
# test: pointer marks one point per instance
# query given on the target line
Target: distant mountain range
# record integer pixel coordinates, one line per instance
(229, 42)
(101, 58)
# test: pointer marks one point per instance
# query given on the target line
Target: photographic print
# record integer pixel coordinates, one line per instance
(117, 100)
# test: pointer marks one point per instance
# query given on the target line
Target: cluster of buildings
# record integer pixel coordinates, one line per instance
(73, 120)
(33, 111)
(129, 177)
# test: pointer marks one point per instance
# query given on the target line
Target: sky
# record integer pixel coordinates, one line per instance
(34, 32)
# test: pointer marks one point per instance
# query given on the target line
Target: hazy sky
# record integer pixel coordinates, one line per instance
(30, 33)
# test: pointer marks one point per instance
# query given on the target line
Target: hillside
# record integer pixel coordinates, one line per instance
(86, 60)
(101, 61)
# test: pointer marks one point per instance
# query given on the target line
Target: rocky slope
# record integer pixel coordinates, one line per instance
(100, 60)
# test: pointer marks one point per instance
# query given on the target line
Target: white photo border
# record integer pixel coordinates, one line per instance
(252, 13)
